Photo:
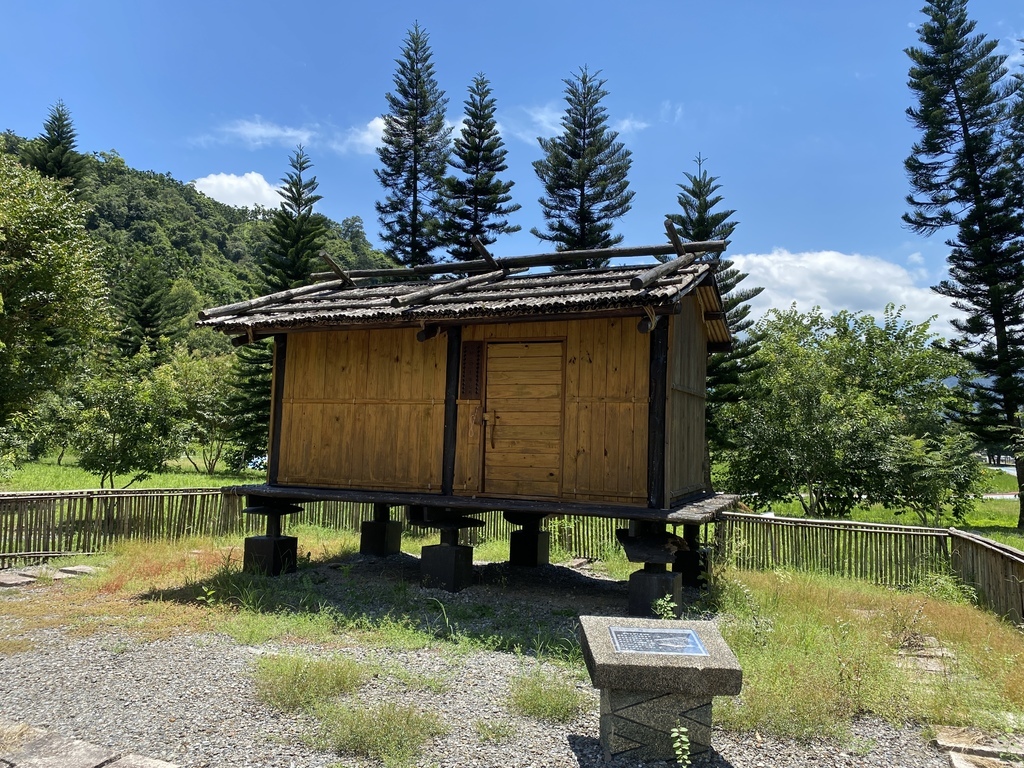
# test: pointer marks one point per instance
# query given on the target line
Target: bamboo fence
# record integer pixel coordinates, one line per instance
(890, 555)
(36, 525)
(41, 524)
(994, 570)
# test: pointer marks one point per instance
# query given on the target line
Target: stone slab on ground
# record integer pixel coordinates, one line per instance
(52, 751)
(78, 570)
(12, 579)
(45, 572)
(969, 741)
(975, 761)
(138, 761)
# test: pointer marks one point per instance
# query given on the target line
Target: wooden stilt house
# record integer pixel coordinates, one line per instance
(496, 387)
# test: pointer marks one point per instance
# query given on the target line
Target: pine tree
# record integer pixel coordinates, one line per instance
(248, 403)
(479, 204)
(145, 309)
(963, 177)
(584, 172)
(295, 233)
(414, 156)
(726, 370)
(53, 153)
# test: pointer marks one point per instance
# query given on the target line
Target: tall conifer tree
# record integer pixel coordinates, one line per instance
(700, 221)
(478, 205)
(964, 177)
(296, 233)
(414, 156)
(584, 172)
(54, 152)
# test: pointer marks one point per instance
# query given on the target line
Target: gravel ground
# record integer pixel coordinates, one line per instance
(191, 699)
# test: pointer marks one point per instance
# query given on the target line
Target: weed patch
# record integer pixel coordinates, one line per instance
(544, 697)
(292, 683)
(391, 733)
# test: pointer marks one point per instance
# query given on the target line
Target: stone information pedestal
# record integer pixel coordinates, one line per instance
(655, 676)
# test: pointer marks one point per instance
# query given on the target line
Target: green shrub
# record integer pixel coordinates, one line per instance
(292, 683)
(391, 733)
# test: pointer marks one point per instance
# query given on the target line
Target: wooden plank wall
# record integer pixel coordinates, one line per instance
(687, 367)
(995, 571)
(892, 555)
(605, 425)
(363, 409)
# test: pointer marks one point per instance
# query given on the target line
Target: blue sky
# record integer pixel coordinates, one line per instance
(798, 106)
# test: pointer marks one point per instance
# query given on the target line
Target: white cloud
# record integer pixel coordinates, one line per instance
(543, 121)
(258, 133)
(631, 125)
(671, 112)
(247, 190)
(915, 258)
(362, 141)
(1013, 49)
(836, 281)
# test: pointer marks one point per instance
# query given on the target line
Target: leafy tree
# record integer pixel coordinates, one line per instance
(54, 152)
(202, 388)
(11, 143)
(414, 156)
(699, 221)
(51, 297)
(963, 177)
(296, 233)
(844, 411)
(478, 205)
(584, 172)
(131, 421)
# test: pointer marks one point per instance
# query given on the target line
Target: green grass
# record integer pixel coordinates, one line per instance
(997, 481)
(46, 475)
(391, 733)
(292, 683)
(817, 652)
(545, 697)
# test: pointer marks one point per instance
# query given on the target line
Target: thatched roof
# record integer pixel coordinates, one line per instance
(492, 289)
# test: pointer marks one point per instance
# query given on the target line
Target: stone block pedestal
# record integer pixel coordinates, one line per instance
(447, 566)
(529, 548)
(651, 584)
(640, 724)
(381, 538)
(655, 676)
(271, 555)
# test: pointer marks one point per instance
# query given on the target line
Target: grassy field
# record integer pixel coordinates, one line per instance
(817, 652)
(47, 475)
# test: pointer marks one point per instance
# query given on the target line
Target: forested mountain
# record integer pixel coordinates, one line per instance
(148, 385)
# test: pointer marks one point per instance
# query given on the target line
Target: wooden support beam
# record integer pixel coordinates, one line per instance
(336, 268)
(648, 323)
(719, 346)
(241, 307)
(657, 414)
(673, 237)
(712, 316)
(451, 408)
(428, 332)
(481, 249)
(276, 407)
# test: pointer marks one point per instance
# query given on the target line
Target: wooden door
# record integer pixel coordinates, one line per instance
(523, 419)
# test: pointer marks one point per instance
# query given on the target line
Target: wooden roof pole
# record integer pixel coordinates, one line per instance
(426, 294)
(686, 254)
(244, 306)
(336, 268)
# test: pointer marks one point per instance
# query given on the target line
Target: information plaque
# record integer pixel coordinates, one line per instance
(679, 642)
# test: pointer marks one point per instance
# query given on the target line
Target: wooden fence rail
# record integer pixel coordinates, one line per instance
(994, 570)
(891, 555)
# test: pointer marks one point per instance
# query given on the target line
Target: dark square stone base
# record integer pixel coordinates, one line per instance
(645, 587)
(380, 538)
(529, 548)
(270, 555)
(447, 566)
(692, 566)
